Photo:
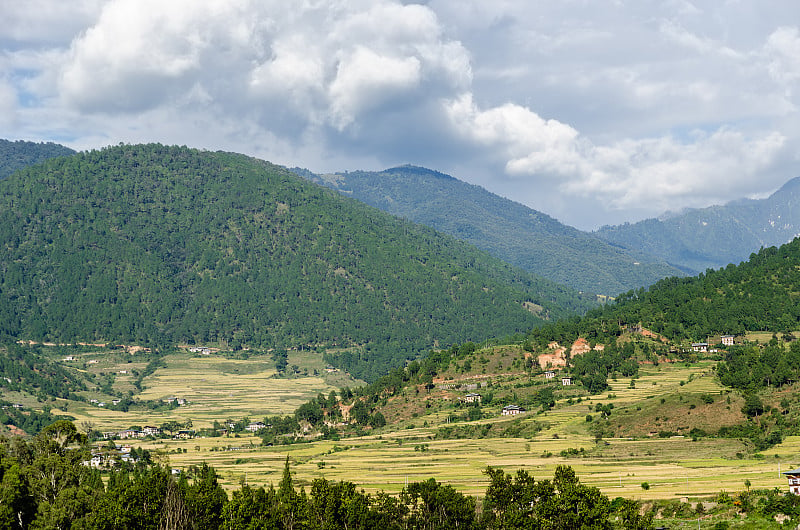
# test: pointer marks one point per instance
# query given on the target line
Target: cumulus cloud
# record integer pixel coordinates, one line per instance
(529, 143)
(329, 62)
(783, 54)
(144, 53)
(660, 172)
(45, 22)
(364, 79)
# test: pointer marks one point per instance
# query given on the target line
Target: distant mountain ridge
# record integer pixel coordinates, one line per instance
(713, 237)
(524, 237)
(20, 154)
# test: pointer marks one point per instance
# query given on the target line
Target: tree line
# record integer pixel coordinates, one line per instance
(45, 483)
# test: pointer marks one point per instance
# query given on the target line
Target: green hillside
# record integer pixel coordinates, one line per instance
(156, 245)
(515, 233)
(713, 237)
(760, 294)
(19, 154)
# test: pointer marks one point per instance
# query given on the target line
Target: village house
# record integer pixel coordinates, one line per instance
(566, 381)
(96, 461)
(512, 410)
(700, 346)
(185, 435)
(549, 374)
(727, 340)
(794, 481)
(255, 426)
(149, 430)
(472, 398)
(130, 433)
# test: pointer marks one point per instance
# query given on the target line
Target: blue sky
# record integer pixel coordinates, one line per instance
(595, 112)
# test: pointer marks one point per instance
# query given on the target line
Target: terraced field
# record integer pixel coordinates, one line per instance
(216, 388)
(674, 467)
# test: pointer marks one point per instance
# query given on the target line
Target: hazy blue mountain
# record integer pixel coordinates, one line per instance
(511, 231)
(698, 239)
(19, 154)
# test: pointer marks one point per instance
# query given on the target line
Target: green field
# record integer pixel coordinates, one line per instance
(219, 388)
(673, 467)
(216, 388)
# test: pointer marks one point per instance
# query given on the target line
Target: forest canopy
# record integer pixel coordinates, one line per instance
(156, 245)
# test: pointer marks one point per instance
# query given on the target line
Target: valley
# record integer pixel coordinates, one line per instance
(182, 309)
(427, 435)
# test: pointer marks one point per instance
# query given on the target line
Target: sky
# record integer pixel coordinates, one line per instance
(592, 111)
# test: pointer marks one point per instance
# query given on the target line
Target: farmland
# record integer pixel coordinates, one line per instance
(412, 448)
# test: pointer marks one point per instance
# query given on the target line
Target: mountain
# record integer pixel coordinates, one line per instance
(713, 237)
(19, 154)
(157, 245)
(761, 294)
(506, 229)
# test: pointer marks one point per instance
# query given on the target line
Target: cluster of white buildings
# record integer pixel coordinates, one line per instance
(180, 401)
(102, 457)
(148, 430)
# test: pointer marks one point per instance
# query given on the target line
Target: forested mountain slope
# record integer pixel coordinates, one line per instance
(713, 237)
(760, 294)
(515, 233)
(153, 245)
(19, 154)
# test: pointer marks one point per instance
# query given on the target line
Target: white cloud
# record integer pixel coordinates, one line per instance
(660, 172)
(365, 79)
(529, 143)
(663, 172)
(783, 55)
(621, 103)
(8, 103)
(328, 61)
(142, 53)
(40, 22)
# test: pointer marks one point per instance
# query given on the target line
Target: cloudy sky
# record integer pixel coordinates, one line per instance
(596, 112)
